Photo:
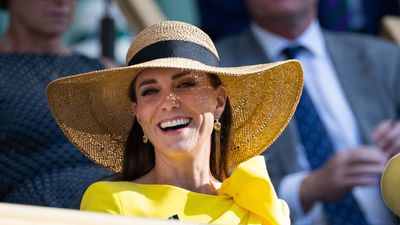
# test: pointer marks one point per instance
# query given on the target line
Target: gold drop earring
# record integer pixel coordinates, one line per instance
(145, 139)
(217, 126)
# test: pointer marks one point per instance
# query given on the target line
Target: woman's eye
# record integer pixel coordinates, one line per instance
(186, 84)
(149, 91)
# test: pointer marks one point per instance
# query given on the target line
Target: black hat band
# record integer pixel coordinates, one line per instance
(175, 48)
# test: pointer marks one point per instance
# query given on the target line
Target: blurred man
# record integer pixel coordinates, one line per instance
(327, 163)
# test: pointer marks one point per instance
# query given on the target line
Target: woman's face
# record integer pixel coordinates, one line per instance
(44, 17)
(176, 109)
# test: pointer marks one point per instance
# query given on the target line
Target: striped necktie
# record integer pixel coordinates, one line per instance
(319, 149)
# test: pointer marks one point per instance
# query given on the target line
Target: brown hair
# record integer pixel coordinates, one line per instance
(139, 157)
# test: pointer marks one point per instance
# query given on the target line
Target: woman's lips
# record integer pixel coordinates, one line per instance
(174, 124)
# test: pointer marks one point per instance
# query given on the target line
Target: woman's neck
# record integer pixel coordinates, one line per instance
(191, 173)
(16, 41)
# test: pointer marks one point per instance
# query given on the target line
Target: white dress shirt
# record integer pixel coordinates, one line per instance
(324, 88)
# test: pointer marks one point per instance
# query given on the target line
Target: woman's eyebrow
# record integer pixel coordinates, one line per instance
(181, 74)
(149, 81)
(174, 77)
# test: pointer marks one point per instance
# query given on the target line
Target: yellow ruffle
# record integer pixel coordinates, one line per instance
(251, 188)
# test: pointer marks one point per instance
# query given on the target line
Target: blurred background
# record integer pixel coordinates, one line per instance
(217, 17)
(85, 33)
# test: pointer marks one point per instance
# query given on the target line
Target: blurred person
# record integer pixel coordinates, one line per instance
(220, 18)
(180, 124)
(38, 165)
(327, 163)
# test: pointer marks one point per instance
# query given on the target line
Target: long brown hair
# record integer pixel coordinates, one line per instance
(139, 157)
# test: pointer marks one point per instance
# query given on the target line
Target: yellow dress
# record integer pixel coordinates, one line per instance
(246, 197)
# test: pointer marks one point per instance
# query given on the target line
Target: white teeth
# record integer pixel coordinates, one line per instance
(174, 123)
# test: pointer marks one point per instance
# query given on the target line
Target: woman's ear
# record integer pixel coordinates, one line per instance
(134, 110)
(221, 101)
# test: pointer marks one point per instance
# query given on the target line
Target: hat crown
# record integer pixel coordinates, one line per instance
(170, 31)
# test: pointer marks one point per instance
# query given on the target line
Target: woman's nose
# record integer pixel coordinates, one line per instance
(170, 101)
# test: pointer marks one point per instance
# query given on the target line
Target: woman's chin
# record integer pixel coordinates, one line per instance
(176, 147)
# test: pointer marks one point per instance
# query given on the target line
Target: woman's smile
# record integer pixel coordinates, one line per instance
(174, 124)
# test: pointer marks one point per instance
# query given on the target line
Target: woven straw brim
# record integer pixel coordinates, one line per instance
(390, 184)
(94, 111)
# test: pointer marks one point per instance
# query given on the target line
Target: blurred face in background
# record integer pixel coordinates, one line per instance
(42, 17)
(270, 11)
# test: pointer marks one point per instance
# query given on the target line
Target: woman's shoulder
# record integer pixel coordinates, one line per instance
(124, 190)
(127, 198)
(109, 196)
(112, 186)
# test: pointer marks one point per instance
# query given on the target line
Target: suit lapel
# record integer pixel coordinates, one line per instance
(355, 73)
(251, 51)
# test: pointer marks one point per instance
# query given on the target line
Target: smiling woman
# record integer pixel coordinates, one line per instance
(185, 124)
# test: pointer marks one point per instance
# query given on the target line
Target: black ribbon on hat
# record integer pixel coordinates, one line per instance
(175, 48)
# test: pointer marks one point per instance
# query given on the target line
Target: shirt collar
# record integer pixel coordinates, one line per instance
(312, 39)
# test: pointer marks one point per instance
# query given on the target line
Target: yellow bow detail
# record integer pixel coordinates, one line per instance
(251, 188)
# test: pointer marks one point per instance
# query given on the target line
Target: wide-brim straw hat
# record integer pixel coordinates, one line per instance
(94, 110)
(390, 184)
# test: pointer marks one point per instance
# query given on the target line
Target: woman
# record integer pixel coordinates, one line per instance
(185, 125)
(38, 165)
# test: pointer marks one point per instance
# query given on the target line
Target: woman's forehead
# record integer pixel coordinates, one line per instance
(172, 73)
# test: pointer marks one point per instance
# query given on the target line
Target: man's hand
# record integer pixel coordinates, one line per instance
(387, 136)
(346, 169)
